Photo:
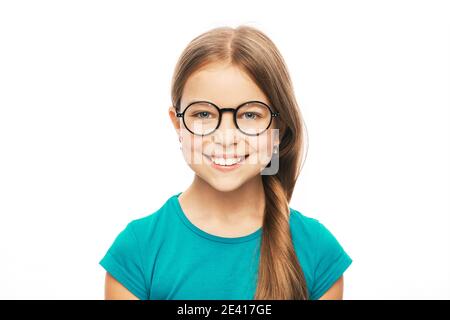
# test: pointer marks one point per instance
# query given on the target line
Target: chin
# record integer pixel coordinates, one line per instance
(222, 187)
(224, 184)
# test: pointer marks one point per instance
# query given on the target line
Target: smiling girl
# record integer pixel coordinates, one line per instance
(231, 234)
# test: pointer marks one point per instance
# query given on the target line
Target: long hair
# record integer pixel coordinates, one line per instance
(280, 275)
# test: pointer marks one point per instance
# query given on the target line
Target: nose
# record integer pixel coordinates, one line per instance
(226, 132)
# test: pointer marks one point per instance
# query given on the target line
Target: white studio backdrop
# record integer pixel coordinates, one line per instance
(86, 144)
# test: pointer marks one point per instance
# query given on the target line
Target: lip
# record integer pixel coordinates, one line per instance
(227, 156)
(224, 168)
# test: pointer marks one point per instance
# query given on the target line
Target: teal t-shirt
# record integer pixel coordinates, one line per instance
(164, 256)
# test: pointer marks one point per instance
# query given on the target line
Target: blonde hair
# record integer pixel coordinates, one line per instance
(280, 275)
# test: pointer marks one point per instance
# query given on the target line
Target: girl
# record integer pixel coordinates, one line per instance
(232, 233)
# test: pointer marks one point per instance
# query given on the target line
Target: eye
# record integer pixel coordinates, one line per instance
(250, 115)
(202, 114)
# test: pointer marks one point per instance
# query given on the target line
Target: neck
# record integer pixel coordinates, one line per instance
(245, 203)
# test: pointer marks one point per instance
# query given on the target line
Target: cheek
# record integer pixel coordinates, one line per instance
(192, 148)
(261, 150)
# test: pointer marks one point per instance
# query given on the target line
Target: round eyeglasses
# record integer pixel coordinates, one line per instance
(251, 118)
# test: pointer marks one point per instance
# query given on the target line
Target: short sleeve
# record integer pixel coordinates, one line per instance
(123, 261)
(330, 263)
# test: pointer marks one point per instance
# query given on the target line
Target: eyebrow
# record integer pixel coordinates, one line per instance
(205, 100)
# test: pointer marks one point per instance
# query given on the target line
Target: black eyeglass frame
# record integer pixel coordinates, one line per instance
(235, 111)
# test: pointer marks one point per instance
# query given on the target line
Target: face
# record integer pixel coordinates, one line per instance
(226, 158)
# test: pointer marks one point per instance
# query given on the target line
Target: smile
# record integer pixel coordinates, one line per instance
(226, 163)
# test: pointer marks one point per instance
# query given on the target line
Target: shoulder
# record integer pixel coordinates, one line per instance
(132, 254)
(151, 224)
(313, 234)
(323, 258)
(307, 226)
(309, 235)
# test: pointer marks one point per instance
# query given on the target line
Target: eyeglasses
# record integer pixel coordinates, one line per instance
(251, 118)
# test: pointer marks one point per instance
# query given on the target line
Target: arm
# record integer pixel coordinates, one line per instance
(336, 292)
(114, 290)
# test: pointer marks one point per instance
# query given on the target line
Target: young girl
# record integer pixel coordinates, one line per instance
(232, 233)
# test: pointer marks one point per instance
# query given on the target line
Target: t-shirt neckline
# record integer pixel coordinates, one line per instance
(205, 234)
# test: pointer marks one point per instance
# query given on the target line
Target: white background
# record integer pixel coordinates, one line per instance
(86, 144)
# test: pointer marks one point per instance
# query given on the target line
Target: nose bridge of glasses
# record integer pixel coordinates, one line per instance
(227, 118)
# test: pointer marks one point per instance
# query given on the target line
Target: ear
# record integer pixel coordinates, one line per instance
(174, 119)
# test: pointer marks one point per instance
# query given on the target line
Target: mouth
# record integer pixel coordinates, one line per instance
(228, 163)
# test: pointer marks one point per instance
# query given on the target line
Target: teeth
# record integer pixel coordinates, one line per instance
(226, 162)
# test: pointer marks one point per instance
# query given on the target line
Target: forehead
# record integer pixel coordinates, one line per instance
(224, 85)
